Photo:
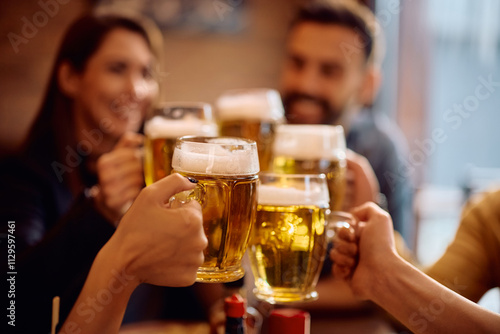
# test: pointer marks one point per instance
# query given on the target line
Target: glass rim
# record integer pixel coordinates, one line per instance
(310, 141)
(168, 110)
(312, 188)
(188, 139)
(294, 176)
(222, 156)
(343, 214)
(266, 105)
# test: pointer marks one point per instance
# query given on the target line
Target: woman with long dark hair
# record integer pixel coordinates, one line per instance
(81, 167)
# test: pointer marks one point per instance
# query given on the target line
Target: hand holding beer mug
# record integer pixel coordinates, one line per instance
(313, 149)
(252, 114)
(226, 169)
(164, 125)
(288, 242)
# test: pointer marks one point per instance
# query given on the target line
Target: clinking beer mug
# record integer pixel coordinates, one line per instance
(164, 124)
(252, 114)
(313, 149)
(289, 240)
(227, 172)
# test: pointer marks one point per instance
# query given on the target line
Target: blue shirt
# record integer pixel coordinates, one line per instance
(380, 141)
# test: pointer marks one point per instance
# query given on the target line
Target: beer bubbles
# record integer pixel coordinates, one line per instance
(164, 125)
(252, 114)
(226, 169)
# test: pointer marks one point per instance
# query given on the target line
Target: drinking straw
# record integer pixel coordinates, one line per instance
(55, 314)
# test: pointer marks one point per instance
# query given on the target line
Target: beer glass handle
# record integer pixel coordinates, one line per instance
(336, 221)
(197, 194)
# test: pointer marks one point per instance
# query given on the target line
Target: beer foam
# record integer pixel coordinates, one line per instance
(232, 157)
(252, 104)
(309, 142)
(160, 127)
(281, 196)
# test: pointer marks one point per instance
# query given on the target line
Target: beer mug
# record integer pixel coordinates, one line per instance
(164, 125)
(288, 243)
(227, 172)
(252, 114)
(313, 149)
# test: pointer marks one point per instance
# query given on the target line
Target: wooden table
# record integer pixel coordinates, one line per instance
(370, 324)
(164, 327)
(337, 324)
(336, 311)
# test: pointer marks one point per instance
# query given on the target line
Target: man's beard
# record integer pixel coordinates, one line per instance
(328, 114)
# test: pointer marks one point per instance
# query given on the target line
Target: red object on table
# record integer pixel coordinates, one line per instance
(289, 321)
(235, 309)
(235, 306)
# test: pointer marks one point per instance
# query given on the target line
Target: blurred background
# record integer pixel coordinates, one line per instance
(441, 80)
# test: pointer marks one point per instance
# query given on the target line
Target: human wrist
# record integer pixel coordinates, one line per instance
(107, 288)
(114, 263)
(380, 273)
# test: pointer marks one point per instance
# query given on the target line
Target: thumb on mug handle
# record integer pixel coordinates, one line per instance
(184, 197)
(338, 220)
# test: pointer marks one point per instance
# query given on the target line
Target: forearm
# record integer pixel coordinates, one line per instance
(102, 302)
(58, 265)
(425, 306)
(334, 294)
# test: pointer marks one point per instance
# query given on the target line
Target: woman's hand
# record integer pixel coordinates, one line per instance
(158, 244)
(121, 177)
(153, 244)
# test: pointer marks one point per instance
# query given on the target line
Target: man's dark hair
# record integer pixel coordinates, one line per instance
(343, 13)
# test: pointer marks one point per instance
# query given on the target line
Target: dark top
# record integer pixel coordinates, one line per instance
(57, 236)
(379, 140)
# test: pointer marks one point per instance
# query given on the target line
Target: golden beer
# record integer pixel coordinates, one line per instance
(262, 132)
(251, 114)
(333, 169)
(313, 149)
(158, 158)
(288, 243)
(227, 190)
(229, 206)
(171, 121)
(288, 246)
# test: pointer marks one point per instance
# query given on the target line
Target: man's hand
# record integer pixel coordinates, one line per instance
(358, 257)
(361, 182)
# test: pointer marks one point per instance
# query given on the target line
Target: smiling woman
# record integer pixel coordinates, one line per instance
(81, 166)
(101, 82)
(117, 85)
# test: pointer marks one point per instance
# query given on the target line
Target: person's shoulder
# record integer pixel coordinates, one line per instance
(30, 165)
(483, 209)
(489, 199)
(377, 125)
(390, 131)
(375, 134)
(13, 164)
(19, 172)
